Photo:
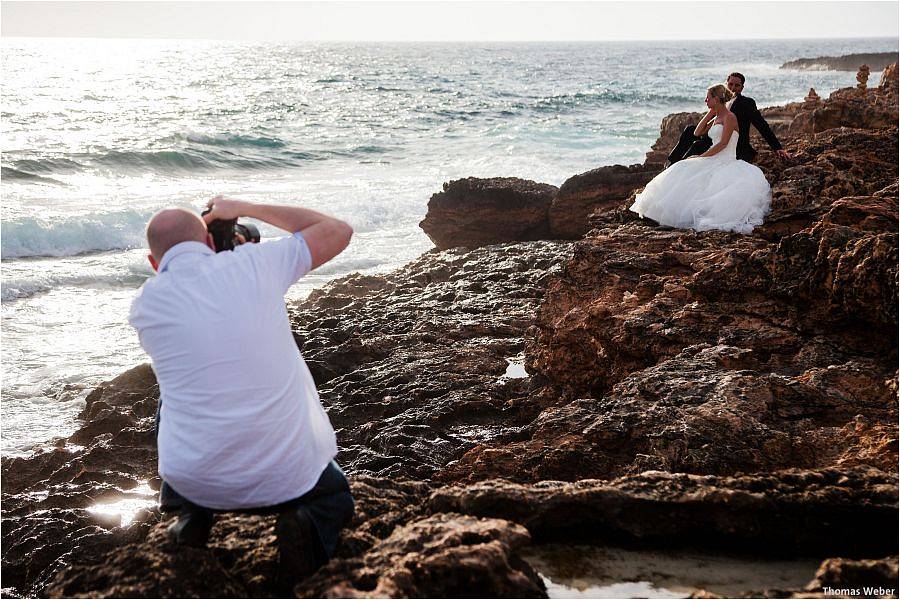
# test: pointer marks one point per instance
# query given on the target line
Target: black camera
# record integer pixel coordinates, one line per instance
(225, 233)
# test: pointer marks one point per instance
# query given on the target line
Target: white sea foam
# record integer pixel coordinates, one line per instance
(20, 286)
(72, 235)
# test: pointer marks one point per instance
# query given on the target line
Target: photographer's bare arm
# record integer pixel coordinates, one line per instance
(326, 236)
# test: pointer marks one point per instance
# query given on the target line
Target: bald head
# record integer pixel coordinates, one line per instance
(172, 226)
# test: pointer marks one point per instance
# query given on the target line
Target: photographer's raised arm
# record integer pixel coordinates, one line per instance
(326, 236)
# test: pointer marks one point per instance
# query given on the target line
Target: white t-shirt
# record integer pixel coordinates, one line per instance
(241, 424)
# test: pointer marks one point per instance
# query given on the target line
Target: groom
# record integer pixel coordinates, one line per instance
(745, 110)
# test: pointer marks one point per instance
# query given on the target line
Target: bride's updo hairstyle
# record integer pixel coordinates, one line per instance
(721, 92)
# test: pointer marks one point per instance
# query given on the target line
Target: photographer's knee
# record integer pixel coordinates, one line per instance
(347, 507)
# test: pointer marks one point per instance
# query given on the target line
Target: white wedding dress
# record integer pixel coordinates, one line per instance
(715, 192)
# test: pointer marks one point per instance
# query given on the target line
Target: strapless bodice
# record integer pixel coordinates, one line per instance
(715, 134)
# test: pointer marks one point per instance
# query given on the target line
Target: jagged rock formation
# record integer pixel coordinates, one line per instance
(442, 556)
(718, 353)
(477, 212)
(867, 108)
(888, 83)
(599, 189)
(740, 389)
(409, 365)
(828, 510)
(848, 62)
(46, 522)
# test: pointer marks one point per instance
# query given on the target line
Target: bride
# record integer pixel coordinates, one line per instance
(714, 190)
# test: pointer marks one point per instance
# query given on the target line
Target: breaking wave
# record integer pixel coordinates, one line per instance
(95, 232)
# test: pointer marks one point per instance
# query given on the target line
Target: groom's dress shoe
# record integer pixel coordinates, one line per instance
(192, 527)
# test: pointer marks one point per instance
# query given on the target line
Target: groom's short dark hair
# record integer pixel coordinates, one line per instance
(739, 76)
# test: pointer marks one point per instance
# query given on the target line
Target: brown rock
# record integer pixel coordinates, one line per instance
(718, 353)
(153, 569)
(787, 513)
(443, 556)
(476, 212)
(46, 496)
(812, 100)
(845, 573)
(708, 410)
(240, 559)
(852, 107)
(410, 368)
(598, 190)
(889, 83)
(862, 76)
(824, 168)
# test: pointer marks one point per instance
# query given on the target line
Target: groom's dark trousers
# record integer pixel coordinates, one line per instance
(747, 114)
(689, 145)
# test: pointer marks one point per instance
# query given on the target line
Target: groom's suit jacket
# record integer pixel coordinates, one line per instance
(747, 114)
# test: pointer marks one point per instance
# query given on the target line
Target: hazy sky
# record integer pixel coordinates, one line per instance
(446, 21)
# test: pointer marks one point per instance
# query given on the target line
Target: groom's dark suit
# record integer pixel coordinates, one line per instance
(747, 114)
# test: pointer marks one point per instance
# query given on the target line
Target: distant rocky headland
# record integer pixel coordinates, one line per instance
(706, 389)
(848, 62)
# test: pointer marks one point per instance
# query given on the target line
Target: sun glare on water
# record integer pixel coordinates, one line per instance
(140, 498)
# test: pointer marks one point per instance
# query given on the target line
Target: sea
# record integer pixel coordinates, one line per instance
(97, 135)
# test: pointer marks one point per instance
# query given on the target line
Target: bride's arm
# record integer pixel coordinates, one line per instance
(704, 124)
(727, 130)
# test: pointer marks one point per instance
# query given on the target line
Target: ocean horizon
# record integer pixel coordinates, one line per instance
(99, 134)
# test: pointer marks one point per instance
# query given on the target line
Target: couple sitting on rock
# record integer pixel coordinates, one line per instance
(710, 183)
(240, 425)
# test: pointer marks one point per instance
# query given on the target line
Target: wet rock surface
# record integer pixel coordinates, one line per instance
(410, 366)
(240, 559)
(713, 388)
(46, 522)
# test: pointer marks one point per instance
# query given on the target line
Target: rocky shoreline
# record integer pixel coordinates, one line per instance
(712, 389)
(847, 62)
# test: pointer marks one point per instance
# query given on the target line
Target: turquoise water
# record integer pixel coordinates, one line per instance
(99, 134)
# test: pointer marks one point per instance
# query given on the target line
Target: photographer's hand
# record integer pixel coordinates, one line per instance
(326, 236)
(224, 209)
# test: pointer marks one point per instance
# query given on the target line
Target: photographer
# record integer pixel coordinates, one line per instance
(241, 427)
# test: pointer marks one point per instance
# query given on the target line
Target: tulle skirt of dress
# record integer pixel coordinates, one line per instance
(707, 193)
